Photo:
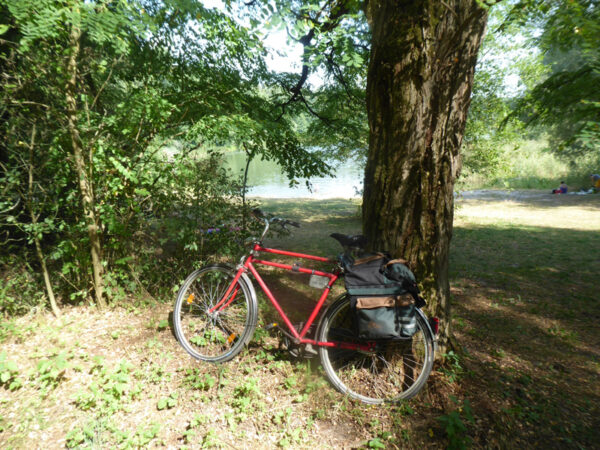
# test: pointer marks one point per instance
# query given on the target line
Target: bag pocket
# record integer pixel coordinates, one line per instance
(384, 317)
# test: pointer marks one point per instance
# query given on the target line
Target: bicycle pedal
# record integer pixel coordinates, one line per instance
(309, 351)
(271, 326)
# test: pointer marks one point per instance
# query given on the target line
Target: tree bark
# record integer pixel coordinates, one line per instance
(85, 184)
(419, 82)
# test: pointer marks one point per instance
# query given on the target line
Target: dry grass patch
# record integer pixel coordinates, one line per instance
(123, 381)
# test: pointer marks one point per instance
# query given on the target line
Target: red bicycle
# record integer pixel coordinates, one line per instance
(216, 313)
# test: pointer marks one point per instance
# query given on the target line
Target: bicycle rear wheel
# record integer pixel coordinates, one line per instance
(220, 335)
(395, 370)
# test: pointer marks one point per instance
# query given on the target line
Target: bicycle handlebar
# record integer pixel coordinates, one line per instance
(269, 219)
(289, 222)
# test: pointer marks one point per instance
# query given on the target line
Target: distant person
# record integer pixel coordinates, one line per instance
(562, 189)
(595, 182)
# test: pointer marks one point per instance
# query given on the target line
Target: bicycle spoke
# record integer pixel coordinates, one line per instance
(222, 293)
(352, 363)
(416, 363)
(206, 296)
(194, 305)
(384, 361)
(214, 289)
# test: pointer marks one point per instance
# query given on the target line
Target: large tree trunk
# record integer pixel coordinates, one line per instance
(419, 83)
(85, 184)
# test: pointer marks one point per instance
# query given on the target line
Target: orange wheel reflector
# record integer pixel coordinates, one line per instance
(231, 338)
(190, 299)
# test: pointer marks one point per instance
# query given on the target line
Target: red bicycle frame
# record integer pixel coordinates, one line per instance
(299, 337)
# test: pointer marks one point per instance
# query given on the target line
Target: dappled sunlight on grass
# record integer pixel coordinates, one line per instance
(525, 272)
(537, 209)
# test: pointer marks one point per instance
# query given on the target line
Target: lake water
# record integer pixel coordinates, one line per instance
(268, 181)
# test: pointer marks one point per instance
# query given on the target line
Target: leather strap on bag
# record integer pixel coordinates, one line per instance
(375, 302)
(367, 259)
(388, 301)
(399, 260)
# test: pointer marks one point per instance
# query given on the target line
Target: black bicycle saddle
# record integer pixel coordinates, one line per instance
(356, 241)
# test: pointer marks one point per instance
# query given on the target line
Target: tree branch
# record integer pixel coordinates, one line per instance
(339, 75)
(10, 208)
(324, 119)
(338, 10)
(105, 81)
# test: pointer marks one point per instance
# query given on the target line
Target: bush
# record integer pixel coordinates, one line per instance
(20, 290)
(526, 164)
(195, 214)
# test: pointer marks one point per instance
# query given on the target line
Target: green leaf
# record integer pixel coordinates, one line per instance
(142, 192)
(376, 443)
(3, 29)
(124, 260)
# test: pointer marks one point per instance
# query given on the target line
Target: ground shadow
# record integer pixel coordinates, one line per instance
(526, 310)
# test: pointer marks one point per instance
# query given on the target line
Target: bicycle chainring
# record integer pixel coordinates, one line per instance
(306, 351)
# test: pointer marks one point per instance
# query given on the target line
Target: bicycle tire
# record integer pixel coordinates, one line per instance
(396, 370)
(220, 336)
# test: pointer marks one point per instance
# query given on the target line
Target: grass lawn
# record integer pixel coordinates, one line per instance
(525, 279)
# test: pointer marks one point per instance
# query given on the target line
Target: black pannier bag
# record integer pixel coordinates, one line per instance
(391, 317)
(384, 295)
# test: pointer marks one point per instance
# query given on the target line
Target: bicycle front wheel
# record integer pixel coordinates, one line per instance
(394, 370)
(209, 327)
